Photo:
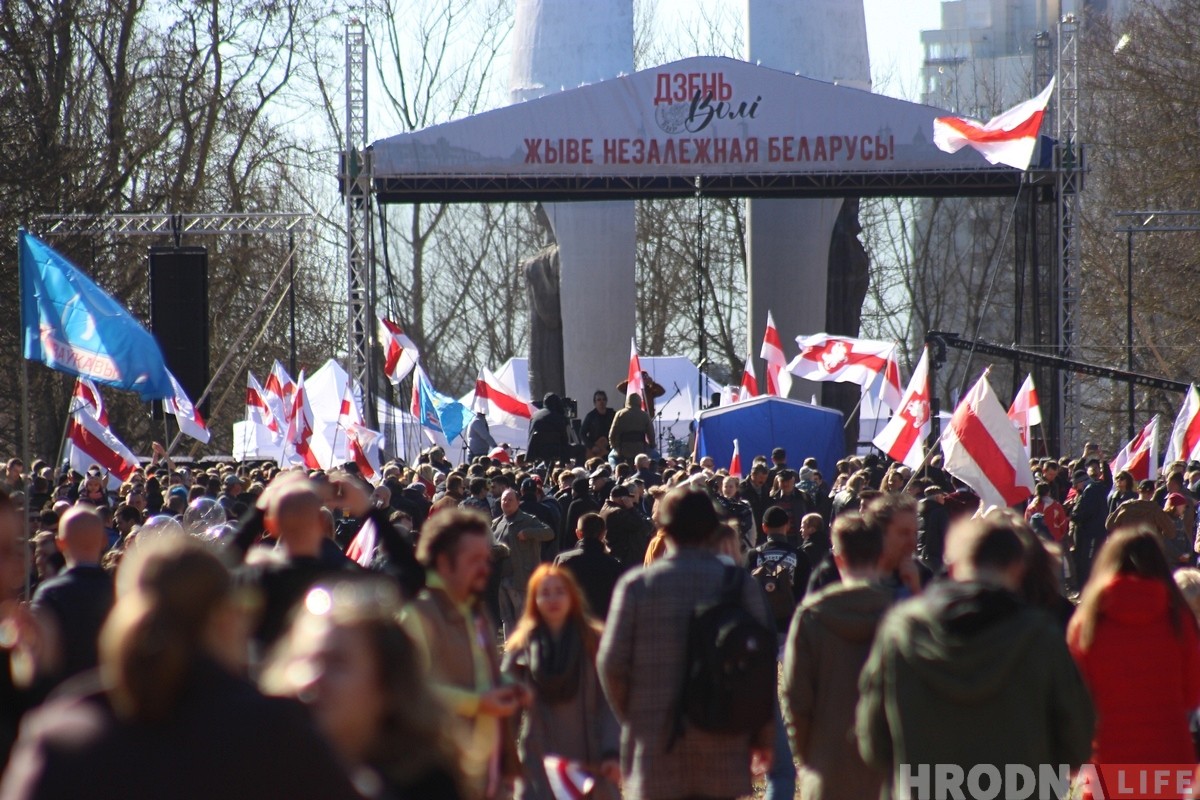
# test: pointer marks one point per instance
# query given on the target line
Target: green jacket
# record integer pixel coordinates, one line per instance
(967, 674)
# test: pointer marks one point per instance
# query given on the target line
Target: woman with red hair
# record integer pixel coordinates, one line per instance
(553, 650)
(1136, 644)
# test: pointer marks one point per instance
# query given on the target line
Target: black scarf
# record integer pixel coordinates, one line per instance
(554, 664)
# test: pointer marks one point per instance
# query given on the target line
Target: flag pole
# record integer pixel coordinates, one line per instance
(62, 443)
(26, 428)
(853, 411)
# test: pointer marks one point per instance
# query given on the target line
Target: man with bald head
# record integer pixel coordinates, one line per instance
(521, 534)
(73, 605)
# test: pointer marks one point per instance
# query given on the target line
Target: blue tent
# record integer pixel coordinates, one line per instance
(764, 423)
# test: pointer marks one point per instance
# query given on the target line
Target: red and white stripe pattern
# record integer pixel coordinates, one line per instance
(1184, 444)
(1008, 138)
(362, 547)
(1140, 456)
(868, 362)
(359, 438)
(90, 443)
(185, 412)
(257, 410)
(278, 393)
(297, 440)
(735, 463)
(87, 397)
(493, 395)
(1025, 411)
(903, 438)
(983, 450)
(635, 383)
(400, 354)
(779, 382)
(749, 387)
(568, 779)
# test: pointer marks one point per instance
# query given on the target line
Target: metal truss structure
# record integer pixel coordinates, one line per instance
(356, 185)
(169, 224)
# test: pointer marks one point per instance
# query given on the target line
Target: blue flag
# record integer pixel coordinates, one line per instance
(451, 416)
(71, 325)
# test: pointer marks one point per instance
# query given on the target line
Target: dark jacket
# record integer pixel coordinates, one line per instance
(595, 570)
(759, 500)
(933, 520)
(773, 551)
(967, 674)
(548, 438)
(211, 746)
(1090, 512)
(78, 600)
(628, 533)
(280, 584)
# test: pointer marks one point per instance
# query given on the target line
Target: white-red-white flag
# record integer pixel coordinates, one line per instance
(735, 463)
(364, 544)
(1140, 455)
(870, 363)
(87, 397)
(568, 779)
(1184, 444)
(903, 438)
(400, 354)
(297, 440)
(749, 387)
(257, 410)
(1008, 138)
(779, 381)
(983, 450)
(1025, 412)
(278, 393)
(495, 395)
(635, 384)
(359, 438)
(90, 443)
(185, 412)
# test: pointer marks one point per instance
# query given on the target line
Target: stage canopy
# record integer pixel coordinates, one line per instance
(764, 423)
(718, 125)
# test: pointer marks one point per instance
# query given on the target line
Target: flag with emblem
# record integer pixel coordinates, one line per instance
(903, 438)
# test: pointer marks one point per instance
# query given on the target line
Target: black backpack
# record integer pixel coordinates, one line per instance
(775, 578)
(731, 678)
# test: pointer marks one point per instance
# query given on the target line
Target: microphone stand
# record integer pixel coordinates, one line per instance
(658, 415)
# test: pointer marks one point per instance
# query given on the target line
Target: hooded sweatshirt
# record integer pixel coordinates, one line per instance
(967, 674)
(827, 644)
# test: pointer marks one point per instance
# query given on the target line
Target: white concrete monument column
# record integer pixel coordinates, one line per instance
(787, 241)
(558, 45)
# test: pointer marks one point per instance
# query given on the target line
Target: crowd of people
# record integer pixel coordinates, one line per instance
(626, 625)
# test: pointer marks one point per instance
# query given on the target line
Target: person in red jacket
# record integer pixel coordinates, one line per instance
(1136, 644)
(1051, 510)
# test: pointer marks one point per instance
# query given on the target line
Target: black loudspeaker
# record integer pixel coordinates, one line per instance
(179, 315)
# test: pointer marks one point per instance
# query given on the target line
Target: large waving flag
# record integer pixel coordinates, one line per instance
(257, 409)
(89, 443)
(983, 450)
(1140, 456)
(399, 353)
(278, 394)
(297, 441)
(87, 397)
(749, 387)
(1008, 138)
(1025, 412)
(1184, 444)
(436, 410)
(903, 438)
(870, 363)
(70, 324)
(493, 394)
(186, 414)
(779, 381)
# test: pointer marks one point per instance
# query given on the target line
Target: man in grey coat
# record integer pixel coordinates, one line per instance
(523, 535)
(642, 661)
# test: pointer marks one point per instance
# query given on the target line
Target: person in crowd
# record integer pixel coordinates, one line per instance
(71, 607)
(479, 437)
(349, 660)
(827, 645)
(477, 499)
(581, 503)
(967, 674)
(457, 642)
(552, 651)
(522, 534)
(642, 658)
(1054, 516)
(932, 523)
(171, 717)
(814, 539)
(780, 568)
(1177, 541)
(1135, 641)
(644, 471)
(737, 509)
(628, 532)
(1088, 511)
(848, 498)
(592, 565)
(596, 425)
(896, 516)
(756, 490)
(786, 495)
(1142, 511)
(1123, 490)
(632, 432)
(453, 497)
(549, 441)
(14, 700)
